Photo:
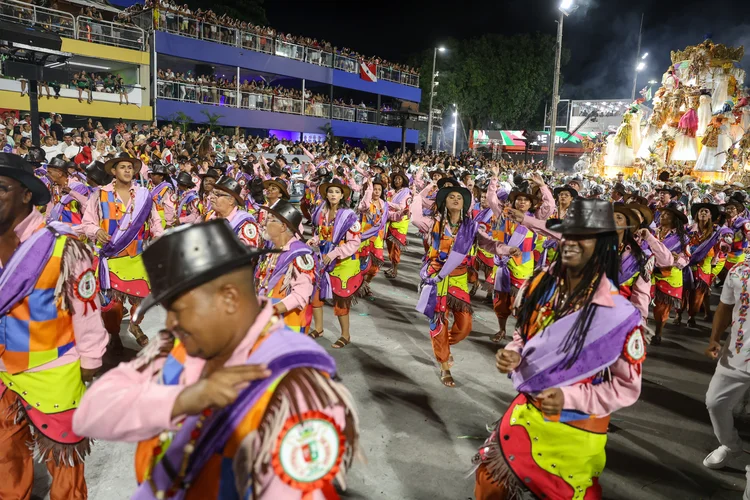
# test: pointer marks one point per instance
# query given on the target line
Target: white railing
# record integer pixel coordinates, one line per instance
(287, 105)
(345, 63)
(317, 109)
(366, 115)
(260, 102)
(256, 42)
(62, 23)
(133, 92)
(319, 57)
(290, 50)
(343, 113)
(108, 33)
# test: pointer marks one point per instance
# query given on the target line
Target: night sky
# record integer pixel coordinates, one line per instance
(601, 35)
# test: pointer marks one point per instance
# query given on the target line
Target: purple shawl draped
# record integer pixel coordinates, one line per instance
(502, 275)
(239, 218)
(21, 272)
(188, 197)
(345, 219)
(158, 188)
(54, 215)
(484, 216)
(282, 351)
(401, 195)
(462, 243)
(127, 229)
(604, 343)
(374, 230)
(296, 249)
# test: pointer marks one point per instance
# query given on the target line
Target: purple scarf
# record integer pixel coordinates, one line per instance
(296, 249)
(239, 218)
(484, 216)
(188, 197)
(502, 275)
(132, 224)
(604, 343)
(628, 267)
(374, 230)
(21, 272)
(345, 219)
(462, 243)
(401, 195)
(158, 188)
(282, 351)
(54, 215)
(701, 251)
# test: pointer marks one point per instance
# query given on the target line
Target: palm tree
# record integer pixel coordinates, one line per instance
(184, 121)
(213, 119)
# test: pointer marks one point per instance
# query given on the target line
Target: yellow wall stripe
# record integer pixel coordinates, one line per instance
(100, 51)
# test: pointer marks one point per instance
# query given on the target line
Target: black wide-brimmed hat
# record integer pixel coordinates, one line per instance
(159, 169)
(36, 156)
(185, 179)
(735, 202)
(445, 180)
(587, 216)
(567, 187)
(443, 193)
(288, 214)
(323, 189)
(321, 174)
(620, 188)
(377, 180)
(190, 255)
(404, 179)
(629, 212)
(711, 207)
(231, 186)
(678, 210)
(211, 173)
(58, 163)
(517, 192)
(17, 168)
(674, 193)
(122, 157)
(279, 184)
(95, 172)
(646, 213)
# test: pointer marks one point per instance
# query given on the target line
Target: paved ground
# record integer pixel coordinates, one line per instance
(419, 436)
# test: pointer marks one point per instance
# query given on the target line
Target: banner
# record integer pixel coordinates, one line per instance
(368, 71)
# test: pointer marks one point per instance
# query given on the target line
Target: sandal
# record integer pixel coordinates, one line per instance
(451, 361)
(447, 379)
(691, 323)
(656, 340)
(140, 337)
(678, 320)
(498, 337)
(341, 343)
(315, 334)
(391, 274)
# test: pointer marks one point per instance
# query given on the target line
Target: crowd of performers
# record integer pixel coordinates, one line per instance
(235, 395)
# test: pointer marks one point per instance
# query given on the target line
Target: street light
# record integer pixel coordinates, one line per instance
(644, 56)
(432, 94)
(641, 66)
(455, 127)
(566, 8)
(652, 82)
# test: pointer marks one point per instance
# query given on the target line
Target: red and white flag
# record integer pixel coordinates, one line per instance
(367, 71)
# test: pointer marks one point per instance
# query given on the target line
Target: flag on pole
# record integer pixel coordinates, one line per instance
(367, 71)
(646, 93)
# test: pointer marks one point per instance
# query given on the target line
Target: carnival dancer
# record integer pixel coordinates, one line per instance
(69, 196)
(667, 278)
(207, 182)
(188, 201)
(227, 203)
(374, 215)
(121, 217)
(274, 190)
(96, 176)
(428, 197)
(511, 273)
(483, 260)
(228, 402)
(445, 285)
(287, 278)
(666, 195)
(740, 226)
(337, 236)
(575, 358)
(52, 338)
(163, 194)
(399, 199)
(708, 246)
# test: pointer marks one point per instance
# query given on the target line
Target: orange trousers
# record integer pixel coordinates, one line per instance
(112, 316)
(337, 311)
(371, 273)
(695, 301)
(502, 304)
(441, 344)
(487, 489)
(17, 466)
(661, 313)
(394, 252)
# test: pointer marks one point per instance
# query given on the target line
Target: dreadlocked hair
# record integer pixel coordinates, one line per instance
(605, 261)
(682, 234)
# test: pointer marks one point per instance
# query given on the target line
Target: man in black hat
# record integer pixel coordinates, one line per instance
(227, 203)
(121, 218)
(96, 176)
(287, 278)
(69, 196)
(188, 202)
(163, 194)
(239, 387)
(588, 329)
(52, 340)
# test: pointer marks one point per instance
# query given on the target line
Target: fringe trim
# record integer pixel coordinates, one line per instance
(701, 285)
(44, 448)
(318, 392)
(662, 298)
(458, 305)
(488, 287)
(393, 240)
(348, 302)
(376, 262)
(363, 291)
(74, 252)
(479, 265)
(497, 468)
(123, 297)
(157, 348)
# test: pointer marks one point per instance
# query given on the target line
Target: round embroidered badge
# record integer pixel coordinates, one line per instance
(635, 347)
(249, 231)
(304, 263)
(86, 286)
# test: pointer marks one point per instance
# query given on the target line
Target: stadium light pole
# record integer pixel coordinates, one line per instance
(455, 128)
(432, 94)
(638, 60)
(566, 8)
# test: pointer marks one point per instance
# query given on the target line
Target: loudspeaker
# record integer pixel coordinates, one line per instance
(35, 37)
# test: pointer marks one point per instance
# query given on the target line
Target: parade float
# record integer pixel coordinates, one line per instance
(700, 125)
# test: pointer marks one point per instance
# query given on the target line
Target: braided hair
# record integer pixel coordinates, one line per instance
(605, 261)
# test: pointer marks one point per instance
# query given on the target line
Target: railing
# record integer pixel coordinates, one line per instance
(255, 42)
(317, 109)
(366, 115)
(319, 57)
(135, 93)
(260, 102)
(108, 33)
(343, 113)
(345, 63)
(287, 105)
(289, 50)
(62, 23)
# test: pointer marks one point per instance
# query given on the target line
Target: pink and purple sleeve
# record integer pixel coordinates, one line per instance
(620, 392)
(91, 337)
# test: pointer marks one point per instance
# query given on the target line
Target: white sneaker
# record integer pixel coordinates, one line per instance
(718, 458)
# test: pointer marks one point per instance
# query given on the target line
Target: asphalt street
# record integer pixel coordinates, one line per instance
(418, 436)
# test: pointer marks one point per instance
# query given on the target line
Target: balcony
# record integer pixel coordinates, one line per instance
(78, 28)
(175, 23)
